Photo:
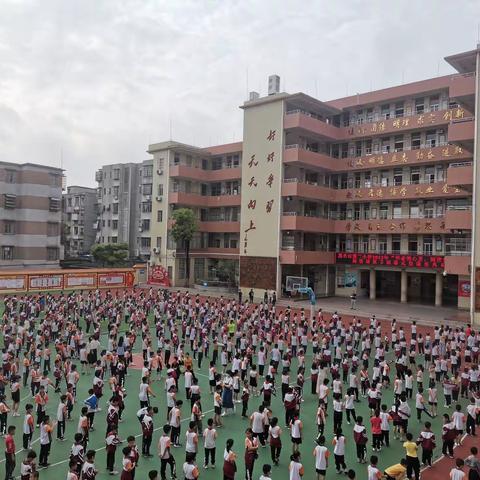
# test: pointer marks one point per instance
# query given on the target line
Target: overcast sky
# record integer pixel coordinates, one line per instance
(95, 81)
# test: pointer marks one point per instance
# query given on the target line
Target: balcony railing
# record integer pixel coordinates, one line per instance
(460, 164)
(366, 184)
(459, 208)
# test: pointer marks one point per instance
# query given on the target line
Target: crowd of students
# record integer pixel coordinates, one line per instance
(50, 342)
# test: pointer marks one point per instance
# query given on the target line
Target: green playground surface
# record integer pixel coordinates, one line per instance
(234, 427)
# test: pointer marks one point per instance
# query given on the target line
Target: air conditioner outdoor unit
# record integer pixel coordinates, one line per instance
(159, 172)
(159, 199)
(156, 250)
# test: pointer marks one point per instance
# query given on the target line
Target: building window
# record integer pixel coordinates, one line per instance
(412, 244)
(159, 243)
(414, 175)
(396, 243)
(159, 216)
(148, 171)
(147, 189)
(114, 239)
(116, 189)
(397, 176)
(10, 201)
(52, 253)
(115, 224)
(419, 106)
(386, 111)
(52, 229)
(182, 268)
(398, 145)
(10, 176)
(434, 103)
(54, 204)
(115, 208)
(145, 225)
(160, 189)
(176, 159)
(8, 227)
(116, 174)
(217, 163)
(146, 207)
(397, 209)
(399, 109)
(416, 141)
(55, 180)
(427, 245)
(382, 244)
(145, 242)
(7, 252)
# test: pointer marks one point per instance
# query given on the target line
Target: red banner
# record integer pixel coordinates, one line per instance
(391, 260)
(158, 275)
(464, 288)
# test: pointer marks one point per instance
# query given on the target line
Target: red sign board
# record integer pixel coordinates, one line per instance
(391, 260)
(464, 288)
(158, 275)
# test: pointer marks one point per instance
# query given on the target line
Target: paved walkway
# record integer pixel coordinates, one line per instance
(382, 309)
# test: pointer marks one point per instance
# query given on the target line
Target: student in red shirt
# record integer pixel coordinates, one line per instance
(10, 452)
(376, 423)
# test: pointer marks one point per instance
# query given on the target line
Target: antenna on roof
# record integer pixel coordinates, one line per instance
(246, 80)
(170, 125)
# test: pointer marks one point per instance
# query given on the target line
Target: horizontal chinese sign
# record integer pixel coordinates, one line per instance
(391, 260)
(13, 283)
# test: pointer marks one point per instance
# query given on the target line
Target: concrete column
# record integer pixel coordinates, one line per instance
(438, 289)
(373, 284)
(403, 287)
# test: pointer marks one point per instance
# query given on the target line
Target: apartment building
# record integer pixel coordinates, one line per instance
(371, 193)
(79, 218)
(208, 182)
(124, 206)
(30, 215)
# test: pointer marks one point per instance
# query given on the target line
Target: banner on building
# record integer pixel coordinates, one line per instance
(158, 275)
(464, 288)
(391, 260)
(9, 283)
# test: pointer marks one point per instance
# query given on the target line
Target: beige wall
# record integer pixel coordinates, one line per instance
(263, 136)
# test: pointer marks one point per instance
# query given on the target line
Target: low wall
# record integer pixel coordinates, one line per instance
(24, 281)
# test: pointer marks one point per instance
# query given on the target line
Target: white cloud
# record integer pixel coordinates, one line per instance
(99, 80)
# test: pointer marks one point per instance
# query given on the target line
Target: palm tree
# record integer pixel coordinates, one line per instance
(183, 229)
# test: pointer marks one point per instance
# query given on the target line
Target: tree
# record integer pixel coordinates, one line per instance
(183, 229)
(110, 254)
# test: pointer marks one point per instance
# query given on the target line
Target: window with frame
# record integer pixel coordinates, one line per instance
(216, 163)
(397, 209)
(116, 174)
(146, 207)
(414, 209)
(396, 243)
(52, 253)
(54, 204)
(399, 109)
(145, 225)
(9, 201)
(53, 229)
(431, 139)
(397, 176)
(159, 216)
(145, 242)
(419, 106)
(10, 176)
(434, 103)
(415, 175)
(148, 171)
(9, 227)
(8, 252)
(160, 189)
(383, 211)
(415, 141)
(382, 244)
(114, 239)
(115, 208)
(114, 224)
(385, 111)
(398, 143)
(147, 189)
(182, 270)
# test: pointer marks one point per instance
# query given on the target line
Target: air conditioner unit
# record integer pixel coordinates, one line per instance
(156, 250)
(148, 197)
(159, 199)
(159, 172)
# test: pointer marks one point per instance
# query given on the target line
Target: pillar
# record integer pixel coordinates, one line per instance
(403, 287)
(438, 289)
(373, 284)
